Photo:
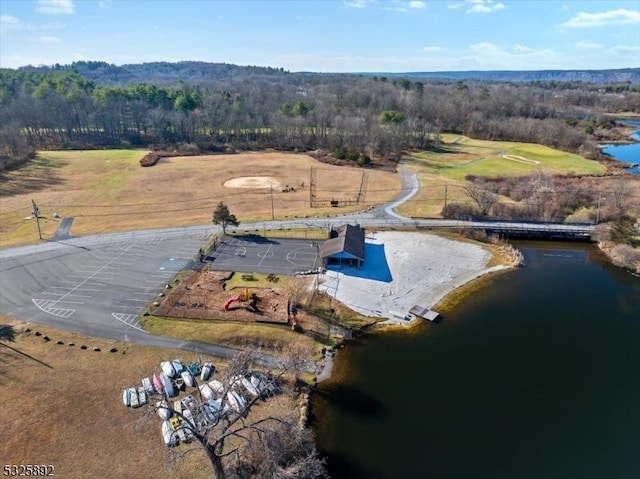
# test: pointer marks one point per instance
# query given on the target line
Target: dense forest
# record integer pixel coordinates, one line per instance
(219, 107)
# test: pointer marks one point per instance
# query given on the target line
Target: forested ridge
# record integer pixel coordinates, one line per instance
(213, 107)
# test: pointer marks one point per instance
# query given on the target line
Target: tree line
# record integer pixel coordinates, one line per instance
(359, 116)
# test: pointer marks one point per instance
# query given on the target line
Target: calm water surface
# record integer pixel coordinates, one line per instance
(627, 153)
(536, 375)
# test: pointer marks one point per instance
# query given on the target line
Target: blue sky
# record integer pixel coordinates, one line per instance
(327, 35)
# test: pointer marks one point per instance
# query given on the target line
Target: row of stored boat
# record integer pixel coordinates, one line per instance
(181, 418)
(174, 376)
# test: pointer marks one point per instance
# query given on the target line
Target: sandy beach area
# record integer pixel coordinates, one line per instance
(403, 269)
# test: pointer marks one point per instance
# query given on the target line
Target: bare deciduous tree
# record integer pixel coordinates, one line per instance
(237, 443)
(484, 198)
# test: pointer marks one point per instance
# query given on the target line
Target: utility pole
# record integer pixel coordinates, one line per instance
(598, 210)
(273, 217)
(36, 212)
(445, 200)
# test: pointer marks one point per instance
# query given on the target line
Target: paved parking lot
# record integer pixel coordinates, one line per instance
(254, 254)
(96, 289)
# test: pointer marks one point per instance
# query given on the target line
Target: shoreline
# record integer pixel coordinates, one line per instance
(423, 269)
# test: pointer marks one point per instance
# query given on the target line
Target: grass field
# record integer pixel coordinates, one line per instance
(442, 172)
(460, 156)
(107, 190)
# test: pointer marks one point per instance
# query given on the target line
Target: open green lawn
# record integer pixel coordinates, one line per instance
(459, 156)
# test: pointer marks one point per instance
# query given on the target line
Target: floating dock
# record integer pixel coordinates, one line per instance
(424, 313)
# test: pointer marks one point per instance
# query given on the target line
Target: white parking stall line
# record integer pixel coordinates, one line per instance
(89, 290)
(90, 283)
(67, 295)
(130, 320)
(51, 306)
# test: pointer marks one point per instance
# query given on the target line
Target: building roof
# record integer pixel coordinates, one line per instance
(344, 241)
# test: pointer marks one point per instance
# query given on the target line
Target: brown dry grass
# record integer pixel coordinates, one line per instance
(62, 406)
(107, 190)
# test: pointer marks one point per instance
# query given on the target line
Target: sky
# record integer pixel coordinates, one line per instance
(327, 35)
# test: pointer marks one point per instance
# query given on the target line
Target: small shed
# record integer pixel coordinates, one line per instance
(344, 246)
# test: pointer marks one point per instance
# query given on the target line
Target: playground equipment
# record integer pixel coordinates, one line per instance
(245, 300)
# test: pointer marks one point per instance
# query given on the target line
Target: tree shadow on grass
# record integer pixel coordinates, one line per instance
(8, 335)
(37, 174)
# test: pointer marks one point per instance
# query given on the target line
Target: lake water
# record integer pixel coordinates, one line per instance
(536, 375)
(627, 153)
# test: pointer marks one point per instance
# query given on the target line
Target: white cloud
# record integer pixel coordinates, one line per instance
(47, 39)
(417, 4)
(455, 6)
(587, 44)
(103, 4)
(565, 7)
(55, 7)
(627, 50)
(484, 6)
(433, 49)
(52, 26)
(9, 20)
(620, 16)
(358, 3)
(521, 48)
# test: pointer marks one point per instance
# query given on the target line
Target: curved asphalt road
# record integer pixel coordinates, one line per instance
(98, 285)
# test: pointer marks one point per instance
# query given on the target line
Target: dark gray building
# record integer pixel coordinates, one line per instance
(344, 246)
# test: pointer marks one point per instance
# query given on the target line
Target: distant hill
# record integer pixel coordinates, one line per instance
(194, 72)
(159, 73)
(622, 75)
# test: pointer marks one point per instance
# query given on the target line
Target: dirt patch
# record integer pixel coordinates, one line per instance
(202, 295)
(252, 182)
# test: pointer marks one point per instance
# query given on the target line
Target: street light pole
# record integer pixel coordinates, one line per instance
(36, 212)
(273, 217)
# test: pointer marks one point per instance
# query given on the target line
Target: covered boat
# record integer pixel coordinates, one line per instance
(249, 386)
(205, 372)
(188, 378)
(206, 391)
(168, 435)
(178, 367)
(126, 398)
(133, 397)
(168, 386)
(167, 368)
(216, 386)
(236, 401)
(157, 384)
(163, 409)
